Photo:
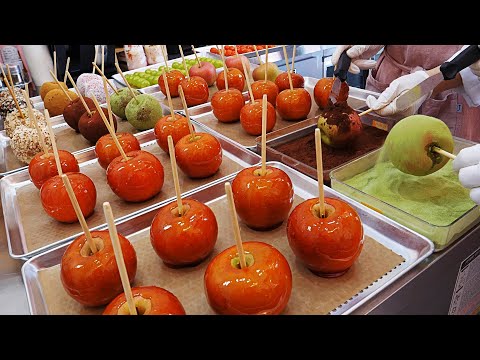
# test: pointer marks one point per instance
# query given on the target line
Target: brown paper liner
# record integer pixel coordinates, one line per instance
(41, 230)
(310, 294)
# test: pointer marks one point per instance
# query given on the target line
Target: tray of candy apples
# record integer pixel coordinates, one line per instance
(129, 171)
(198, 257)
(79, 125)
(298, 247)
(292, 98)
(246, 50)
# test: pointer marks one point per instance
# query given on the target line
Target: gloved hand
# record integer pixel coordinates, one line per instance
(468, 165)
(386, 103)
(359, 55)
(475, 67)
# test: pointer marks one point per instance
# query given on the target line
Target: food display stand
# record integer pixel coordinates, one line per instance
(407, 277)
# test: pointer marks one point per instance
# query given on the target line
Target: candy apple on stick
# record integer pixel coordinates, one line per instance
(265, 86)
(283, 81)
(88, 269)
(195, 88)
(183, 233)
(144, 300)
(174, 78)
(325, 234)
(251, 278)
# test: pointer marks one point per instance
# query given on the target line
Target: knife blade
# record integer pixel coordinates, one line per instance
(340, 74)
(447, 71)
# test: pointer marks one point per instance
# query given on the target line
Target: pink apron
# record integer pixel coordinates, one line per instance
(449, 106)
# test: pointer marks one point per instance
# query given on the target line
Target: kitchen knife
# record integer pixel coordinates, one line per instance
(340, 73)
(447, 71)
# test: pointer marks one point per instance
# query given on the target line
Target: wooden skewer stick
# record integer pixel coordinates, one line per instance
(266, 64)
(185, 108)
(365, 112)
(288, 67)
(103, 58)
(107, 100)
(318, 151)
(444, 153)
(12, 93)
(169, 97)
(60, 85)
(224, 68)
(173, 163)
(33, 119)
(196, 56)
(110, 129)
(103, 76)
(249, 86)
(293, 57)
(165, 57)
(117, 249)
(95, 59)
(54, 142)
(258, 56)
(264, 134)
(125, 81)
(55, 62)
(66, 69)
(78, 212)
(79, 95)
(183, 60)
(236, 228)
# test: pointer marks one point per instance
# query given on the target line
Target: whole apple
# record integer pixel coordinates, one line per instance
(236, 62)
(339, 124)
(272, 72)
(206, 71)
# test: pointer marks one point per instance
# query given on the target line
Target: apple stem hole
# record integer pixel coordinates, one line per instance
(185, 209)
(142, 305)
(329, 211)
(249, 260)
(258, 172)
(85, 251)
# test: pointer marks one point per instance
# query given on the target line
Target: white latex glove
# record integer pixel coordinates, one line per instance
(468, 165)
(386, 104)
(475, 67)
(359, 55)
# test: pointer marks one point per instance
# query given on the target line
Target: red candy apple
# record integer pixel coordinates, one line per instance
(226, 105)
(236, 79)
(184, 239)
(195, 90)
(137, 179)
(261, 288)
(106, 149)
(149, 300)
(283, 82)
(43, 167)
(176, 126)
(57, 204)
(268, 87)
(174, 78)
(93, 279)
(321, 92)
(262, 201)
(206, 71)
(251, 117)
(294, 104)
(327, 246)
(198, 156)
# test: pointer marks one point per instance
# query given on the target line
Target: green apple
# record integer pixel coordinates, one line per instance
(272, 72)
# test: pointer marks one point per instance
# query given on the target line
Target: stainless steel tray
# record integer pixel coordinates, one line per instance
(202, 114)
(11, 184)
(412, 247)
(301, 130)
(9, 163)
